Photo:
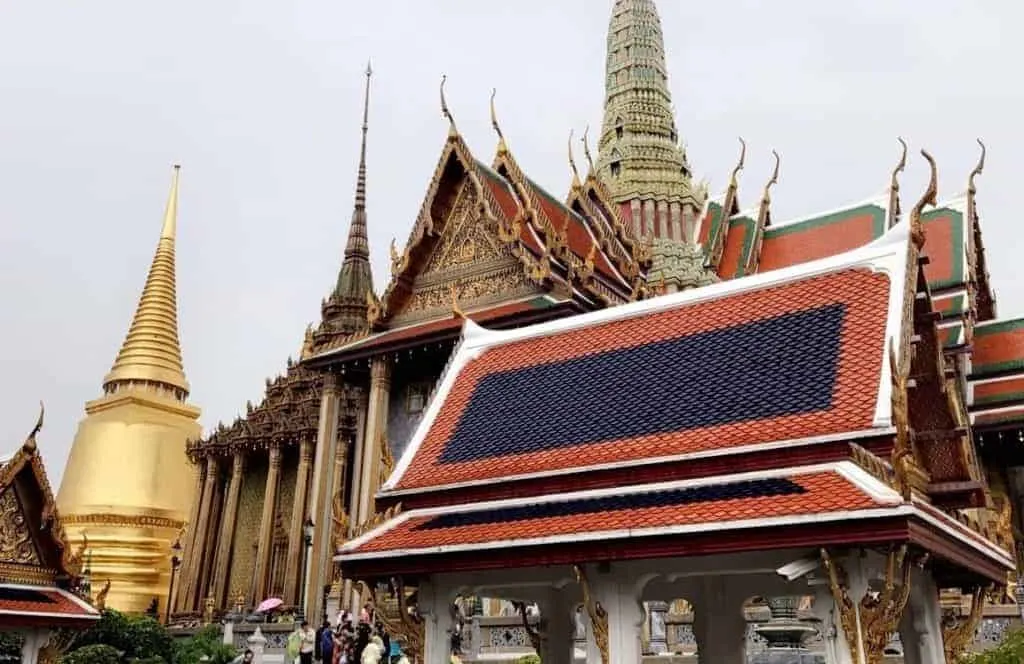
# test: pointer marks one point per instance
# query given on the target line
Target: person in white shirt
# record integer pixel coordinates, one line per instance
(307, 645)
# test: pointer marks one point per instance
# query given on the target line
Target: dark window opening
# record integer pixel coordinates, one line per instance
(616, 168)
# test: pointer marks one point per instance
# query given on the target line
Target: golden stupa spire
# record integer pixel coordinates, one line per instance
(151, 354)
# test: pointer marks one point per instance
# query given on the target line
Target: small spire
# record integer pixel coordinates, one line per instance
(171, 213)
(361, 177)
(502, 146)
(572, 165)
(151, 353)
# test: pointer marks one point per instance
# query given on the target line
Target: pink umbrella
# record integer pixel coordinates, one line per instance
(269, 604)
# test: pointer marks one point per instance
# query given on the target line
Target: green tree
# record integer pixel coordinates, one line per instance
(137, 637)
(1010, 651)
(97, 653)
(10, 646)
(529, 659)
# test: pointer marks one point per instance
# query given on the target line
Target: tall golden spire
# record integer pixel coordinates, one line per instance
(151, 354)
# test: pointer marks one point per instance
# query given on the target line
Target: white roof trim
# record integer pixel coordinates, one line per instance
(997, 321)
(887, 254)
(652, 461)
(699, 228)
(997, 379)
(995, 411)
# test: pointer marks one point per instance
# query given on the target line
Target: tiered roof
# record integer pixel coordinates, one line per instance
(727, 409)
(39, 569)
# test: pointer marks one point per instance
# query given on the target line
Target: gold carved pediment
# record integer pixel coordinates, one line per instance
(16, 545)
(468, 237)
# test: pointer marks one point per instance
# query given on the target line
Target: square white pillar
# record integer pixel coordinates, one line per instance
(719, 626)
(616, 600)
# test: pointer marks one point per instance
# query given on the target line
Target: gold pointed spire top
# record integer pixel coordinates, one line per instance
(151, 353)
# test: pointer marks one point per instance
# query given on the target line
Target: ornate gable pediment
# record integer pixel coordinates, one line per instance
(17, 546)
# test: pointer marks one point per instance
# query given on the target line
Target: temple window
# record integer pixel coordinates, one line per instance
(619, 128)
(616, 168)
(416, 398)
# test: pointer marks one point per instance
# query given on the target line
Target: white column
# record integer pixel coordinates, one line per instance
(618, 597)
(921, 627)
(257, 642)
(433, 606)
(34, 641)
(719, 625)
(831, 631)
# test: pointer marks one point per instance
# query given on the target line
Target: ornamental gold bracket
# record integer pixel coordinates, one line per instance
(597, 613)
(958, 632)
(894, 185)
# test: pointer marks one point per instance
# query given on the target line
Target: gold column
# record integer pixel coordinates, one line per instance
(227, 529)
(200, 540)
(296, 547)
(266, 541)
(199, 471)
(376, 434)
(320, 495)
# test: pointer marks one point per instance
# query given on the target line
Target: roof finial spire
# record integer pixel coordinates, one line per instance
(452, 131)
(766, 197)
(502, 146)
(361, 176)
(930, 197)
(30, 442)
(586, 151)
(572, 164)
(977, 169)
(894, 185)
(733, 182)
(151, 354)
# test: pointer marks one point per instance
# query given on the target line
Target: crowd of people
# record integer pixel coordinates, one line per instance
(347, 642)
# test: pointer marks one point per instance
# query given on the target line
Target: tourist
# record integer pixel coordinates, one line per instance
(385, 639)
(307, 643)
(325, 641)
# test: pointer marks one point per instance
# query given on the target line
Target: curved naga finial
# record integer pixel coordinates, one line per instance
(456, 309)
(977, 169)
(930, 197)
(30, 442)
(739, 165)
(766, 197)
(502, 146)
(572, 162)
(444, 106)
(894, 180)
(586, 149)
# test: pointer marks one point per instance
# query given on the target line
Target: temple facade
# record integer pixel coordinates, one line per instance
(492, 250)
(128, 485)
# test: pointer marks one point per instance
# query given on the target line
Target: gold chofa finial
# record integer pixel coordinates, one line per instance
(733, 182)
(456, 310)
(502, 146)
(30, 442)
(766, 197)
(452, 131)
(930, 197)
(977, 169)
(894, 182)
(586, 149)
(572, 164)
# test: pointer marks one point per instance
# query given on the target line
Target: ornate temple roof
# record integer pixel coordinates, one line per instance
(151, 352)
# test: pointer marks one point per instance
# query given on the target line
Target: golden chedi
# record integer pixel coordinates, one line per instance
(128, 485)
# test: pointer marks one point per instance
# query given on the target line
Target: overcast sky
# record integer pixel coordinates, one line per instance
(260, 102)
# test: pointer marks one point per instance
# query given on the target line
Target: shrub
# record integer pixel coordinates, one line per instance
(137, 637)
(529, 659)
(96, 653)
(206, 642)
(1010, 651)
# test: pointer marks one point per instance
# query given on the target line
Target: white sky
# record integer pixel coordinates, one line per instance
(260, 101)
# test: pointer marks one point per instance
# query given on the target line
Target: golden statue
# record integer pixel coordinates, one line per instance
(101, 596)
(128, 480)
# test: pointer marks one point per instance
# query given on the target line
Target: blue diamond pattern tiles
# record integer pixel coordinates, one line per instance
(765, 488)
(785, 365)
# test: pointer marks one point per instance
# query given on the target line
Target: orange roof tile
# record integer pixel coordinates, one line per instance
(821, 237)
(501, 381)
(998, 348)
(43, 602)
(621, 516)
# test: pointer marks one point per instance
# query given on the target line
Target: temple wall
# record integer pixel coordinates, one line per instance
(282, 522)
(247, 528)
(408, 400)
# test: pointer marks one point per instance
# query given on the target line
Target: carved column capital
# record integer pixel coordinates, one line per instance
(275, 454)
(306, 450)
(380, 372)
(211, 466)
(331, 382)
(238, 463)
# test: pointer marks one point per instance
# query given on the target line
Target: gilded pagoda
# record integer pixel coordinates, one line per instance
(493, 257)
